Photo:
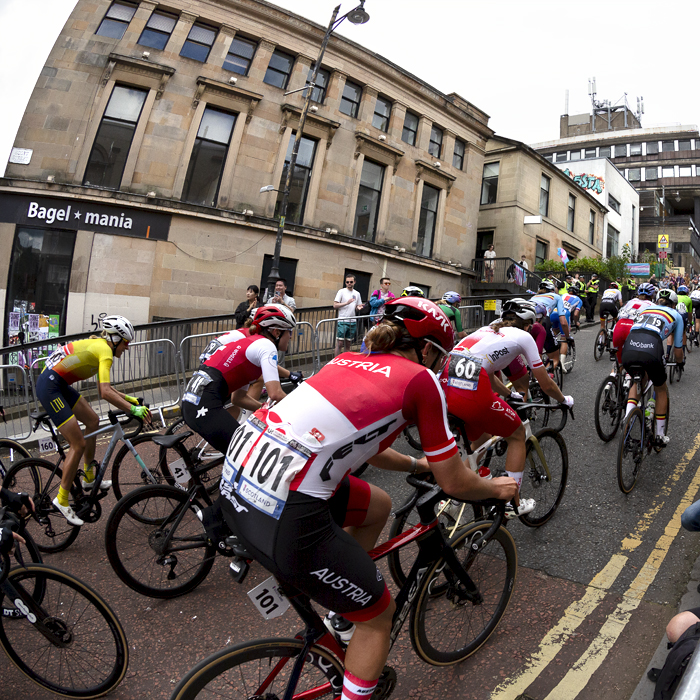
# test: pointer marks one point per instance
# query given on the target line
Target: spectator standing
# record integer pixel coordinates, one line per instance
(489, 264)
(348, 302)
(280, 296)
(243, 310)
(526, 267)
(653, 280)
(591, 296)
(379, 298)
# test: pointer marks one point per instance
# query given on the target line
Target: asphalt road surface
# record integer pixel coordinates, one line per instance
(595, 589)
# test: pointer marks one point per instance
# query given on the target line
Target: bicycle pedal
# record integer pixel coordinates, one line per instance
(238, 568)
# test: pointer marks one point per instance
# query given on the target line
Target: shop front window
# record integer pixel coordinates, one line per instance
(37, 290)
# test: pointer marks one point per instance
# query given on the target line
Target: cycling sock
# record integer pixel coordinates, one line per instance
(89, 473)
(562, 357)
(660, 424)
(62, 497)
(355, 688)
(518, 476)
(631, 405)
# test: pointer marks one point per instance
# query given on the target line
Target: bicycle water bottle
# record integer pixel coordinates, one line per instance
(485, 473)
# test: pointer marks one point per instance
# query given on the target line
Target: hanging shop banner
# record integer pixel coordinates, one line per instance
(83, 215)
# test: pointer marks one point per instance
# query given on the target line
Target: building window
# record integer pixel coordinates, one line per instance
(634, 174)
(605, 151)
(350, 101)
(612, 245)
(684, 145)
(667, 171)
(158, 30)
(428, 220)
(590, 153)
(489, 184)
(208, 157)
(279, 69)
(199, 42)
(318, 94)
(561, 157)
(382, 112)
(541, 252)
(613, 203)
(549, 157)
(483, 240)
(458, 155)
(288, 272)
(544, 195)
(240, 55)
(575, 155)
(685, 171)
(410, 129)
(668, 146)
(116, 20)
(635, 149)
(652, 147)
(681, 247)
(301, 178)
(651, 173)
(368, 199)
(114, 135)
(621, 151)
(435, 145)
(572, 213)
(40, 266)
(591, 227)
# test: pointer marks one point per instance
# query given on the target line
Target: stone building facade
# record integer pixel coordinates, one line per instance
(173, 117)
(529, 206)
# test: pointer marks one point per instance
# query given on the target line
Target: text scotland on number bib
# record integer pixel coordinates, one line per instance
(260, 464)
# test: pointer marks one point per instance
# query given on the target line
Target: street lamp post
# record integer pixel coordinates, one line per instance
(357, 15)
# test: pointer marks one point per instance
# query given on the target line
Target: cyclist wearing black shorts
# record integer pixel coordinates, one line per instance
(610, 303)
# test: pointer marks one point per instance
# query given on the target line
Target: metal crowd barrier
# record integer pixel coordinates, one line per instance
(15, 392)
(326, 337)
(689, 687)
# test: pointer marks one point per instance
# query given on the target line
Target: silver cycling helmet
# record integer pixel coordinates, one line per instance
(522, 308)
(118, 328)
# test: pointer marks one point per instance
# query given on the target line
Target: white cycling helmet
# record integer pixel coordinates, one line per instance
(548, 285)
(118, 327)
(522, 308)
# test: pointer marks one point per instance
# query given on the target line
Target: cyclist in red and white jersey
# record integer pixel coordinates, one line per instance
(229, 368)
(287, 485)
(628, 315)
(474, 399)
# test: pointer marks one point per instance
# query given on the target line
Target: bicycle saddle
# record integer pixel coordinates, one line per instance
(170, 440)
(636, 372)
(39, 416)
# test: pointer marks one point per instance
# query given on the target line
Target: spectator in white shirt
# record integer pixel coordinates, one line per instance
(348, 302)
(280, 296)
(489, 264)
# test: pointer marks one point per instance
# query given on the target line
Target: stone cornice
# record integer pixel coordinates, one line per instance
(291, 112)
(138, 66)
(369, 145)
(239, 95)
(436, 175)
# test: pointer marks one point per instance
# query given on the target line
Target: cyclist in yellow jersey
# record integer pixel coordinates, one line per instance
(68, 364)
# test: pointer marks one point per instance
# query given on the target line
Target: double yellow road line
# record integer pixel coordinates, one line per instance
(586, 665)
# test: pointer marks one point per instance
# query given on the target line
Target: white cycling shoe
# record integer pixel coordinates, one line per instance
(68, 513)
(87, 485)
(527, 505)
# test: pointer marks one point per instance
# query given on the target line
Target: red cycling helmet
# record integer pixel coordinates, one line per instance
(422, 319)
(275, 316)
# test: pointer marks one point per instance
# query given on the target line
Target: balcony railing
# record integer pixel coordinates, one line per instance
(500, 271)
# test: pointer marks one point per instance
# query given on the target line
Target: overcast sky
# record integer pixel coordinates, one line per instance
(513, 59)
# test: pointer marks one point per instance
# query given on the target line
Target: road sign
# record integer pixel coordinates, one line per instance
(663, 254)
(663, 240)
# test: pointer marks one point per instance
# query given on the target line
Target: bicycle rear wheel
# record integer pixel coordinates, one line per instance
(85, 654)
(135, 538)
(608, 409)
(599, 346)
(630, 451)
(545, 484)
(11, 452)
(30, 554)
(262, 669)
(49, 529)
(446, 627)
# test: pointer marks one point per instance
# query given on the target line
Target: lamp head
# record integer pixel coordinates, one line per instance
(358, 15)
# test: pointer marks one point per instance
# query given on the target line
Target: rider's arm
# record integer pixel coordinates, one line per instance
(564, 325)
(241, 399)
(105, 389)
(116, 398)
(498, 386)
(547, 384)
(394, 461)
(264, 354)
(461, 482)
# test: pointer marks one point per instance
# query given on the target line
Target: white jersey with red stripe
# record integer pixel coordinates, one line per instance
(633, 308)
(497, 349)
(242, 361)
(217, 342)
(354, 408)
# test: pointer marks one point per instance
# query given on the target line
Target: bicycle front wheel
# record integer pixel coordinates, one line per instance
(446, 625)
(544, 482)
(599, 347)
(262, 669)
(11, 452)
(30, 553)
(49, 529)
(630, 451)
(82, 650)
(203, 458)
(608, 409)
(138, 548)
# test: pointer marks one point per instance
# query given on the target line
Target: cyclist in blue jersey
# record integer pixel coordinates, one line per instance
(645, 347)
(554, 305)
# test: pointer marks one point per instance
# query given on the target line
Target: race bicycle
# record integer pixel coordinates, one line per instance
(603, 341)
(454, 596)
(611, 400)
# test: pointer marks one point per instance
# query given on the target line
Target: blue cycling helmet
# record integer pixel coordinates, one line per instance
(452, 297)
(647, 290)
(682, 289)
